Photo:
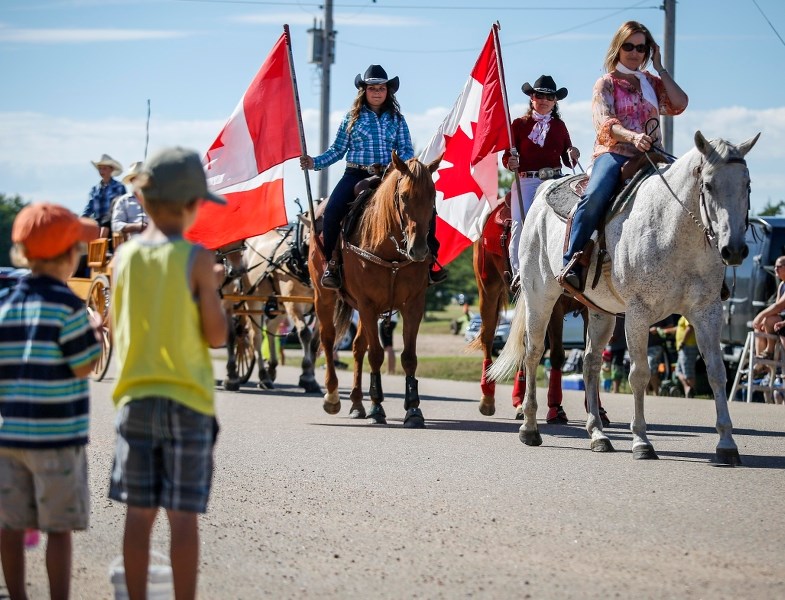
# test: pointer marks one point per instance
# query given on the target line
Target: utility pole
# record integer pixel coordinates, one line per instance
(669, 43)
(328, 55)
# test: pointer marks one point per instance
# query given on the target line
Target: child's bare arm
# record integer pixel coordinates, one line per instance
(213, 318)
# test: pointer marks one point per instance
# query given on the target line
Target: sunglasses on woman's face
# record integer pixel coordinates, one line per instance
(541, 96)
(640, 48)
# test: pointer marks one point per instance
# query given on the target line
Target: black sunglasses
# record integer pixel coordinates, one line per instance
(541, 96)
(628, 47)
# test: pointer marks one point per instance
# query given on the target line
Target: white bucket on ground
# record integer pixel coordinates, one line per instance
(159, 578)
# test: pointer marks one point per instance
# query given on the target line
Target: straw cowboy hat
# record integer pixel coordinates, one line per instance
(375, 75)
(545, 85)
(108, 161)
(134, 170)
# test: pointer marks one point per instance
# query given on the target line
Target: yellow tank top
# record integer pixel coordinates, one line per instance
(156, 327)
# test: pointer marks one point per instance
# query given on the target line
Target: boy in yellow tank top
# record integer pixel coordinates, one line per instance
(166, 313)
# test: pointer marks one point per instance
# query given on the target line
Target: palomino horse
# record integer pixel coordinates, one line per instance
(489, 265)
(385, 268)
(237, 342)
(667, 251)
(276, 268)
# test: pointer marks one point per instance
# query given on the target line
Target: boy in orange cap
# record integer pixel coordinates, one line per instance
(50, 347)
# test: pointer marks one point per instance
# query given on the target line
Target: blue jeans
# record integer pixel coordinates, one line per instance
(594, 203)
(338, 207)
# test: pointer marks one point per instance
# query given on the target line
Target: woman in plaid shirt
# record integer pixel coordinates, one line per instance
(368, 134)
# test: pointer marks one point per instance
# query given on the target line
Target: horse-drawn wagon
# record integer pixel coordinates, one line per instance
(95, 291)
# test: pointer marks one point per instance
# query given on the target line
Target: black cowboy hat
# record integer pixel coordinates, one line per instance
(375, 75)
(545, 85)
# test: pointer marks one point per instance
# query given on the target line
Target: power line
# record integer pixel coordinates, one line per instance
(769, 22)
(320, 6)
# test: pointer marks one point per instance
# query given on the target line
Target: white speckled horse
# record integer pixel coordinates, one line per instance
(667, 253)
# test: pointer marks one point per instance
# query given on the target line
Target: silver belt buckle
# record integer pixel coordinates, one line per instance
(547, 173)
(371, 170)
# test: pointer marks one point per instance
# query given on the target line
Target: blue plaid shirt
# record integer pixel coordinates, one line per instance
(371, 140)
(100, 200)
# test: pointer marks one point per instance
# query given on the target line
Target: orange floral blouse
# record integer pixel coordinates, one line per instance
(615, 101)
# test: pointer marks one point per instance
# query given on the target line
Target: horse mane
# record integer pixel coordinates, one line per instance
(380, 218)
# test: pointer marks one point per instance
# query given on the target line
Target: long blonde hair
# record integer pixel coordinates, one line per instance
(625, 31)
(390, 104)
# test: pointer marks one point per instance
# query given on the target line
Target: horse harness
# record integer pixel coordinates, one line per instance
(394, 266)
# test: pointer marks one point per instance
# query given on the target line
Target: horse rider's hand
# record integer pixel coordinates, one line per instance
(513, 163)
(574, 155)
(306, 162)
(779, 326)
(656, 56)
(642, 142)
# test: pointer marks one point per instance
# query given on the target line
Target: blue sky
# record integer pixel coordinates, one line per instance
(77, 74)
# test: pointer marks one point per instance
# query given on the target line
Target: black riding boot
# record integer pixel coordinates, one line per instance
(331, 278)
(434, 277)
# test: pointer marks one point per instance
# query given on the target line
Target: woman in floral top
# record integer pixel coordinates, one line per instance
(624, 99)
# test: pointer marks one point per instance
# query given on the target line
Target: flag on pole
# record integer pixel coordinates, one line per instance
(245, 162)
(467, 181)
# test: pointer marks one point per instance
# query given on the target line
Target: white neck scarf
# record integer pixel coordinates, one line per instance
(540, 129)
(646, 89)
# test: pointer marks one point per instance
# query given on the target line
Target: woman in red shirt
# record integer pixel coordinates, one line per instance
(543, 144)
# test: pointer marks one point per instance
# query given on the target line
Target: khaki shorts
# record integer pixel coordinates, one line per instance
(44, 489)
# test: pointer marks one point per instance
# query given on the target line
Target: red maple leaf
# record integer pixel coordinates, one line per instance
(457, 179)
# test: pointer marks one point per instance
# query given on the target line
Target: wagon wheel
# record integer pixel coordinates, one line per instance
(244, 354)
(98, 307)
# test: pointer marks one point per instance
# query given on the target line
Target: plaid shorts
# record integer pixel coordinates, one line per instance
(164, 455)
(686, 362)
(44, 489)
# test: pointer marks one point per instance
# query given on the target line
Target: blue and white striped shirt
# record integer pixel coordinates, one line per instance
(44, 333)
(99, 204)
(371, 140)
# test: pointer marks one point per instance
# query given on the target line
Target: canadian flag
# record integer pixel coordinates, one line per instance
(245, 162)
(467, 181)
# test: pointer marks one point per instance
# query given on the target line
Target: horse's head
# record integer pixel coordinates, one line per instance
(415, 195)
(232, 257)
(725, 194)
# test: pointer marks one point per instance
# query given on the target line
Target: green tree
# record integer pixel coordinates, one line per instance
(772, 210)
(9, 207)
(460, 281)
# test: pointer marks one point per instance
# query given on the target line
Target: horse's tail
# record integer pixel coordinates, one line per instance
(510, 359)
(342, 318)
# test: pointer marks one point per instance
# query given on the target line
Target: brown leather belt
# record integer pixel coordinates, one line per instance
(375, 169)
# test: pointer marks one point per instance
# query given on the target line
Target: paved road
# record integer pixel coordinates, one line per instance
(308, 505)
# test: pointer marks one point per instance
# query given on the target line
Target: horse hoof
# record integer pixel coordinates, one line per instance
(414, 419)
(332, 403)
(601, 445)
(310, 386)
(644, 452)
(231, 385)
(265, 384)
(377, 416)
(531, 438)
(357, 413)
(556, 415)
(728, 457)
(487, 408)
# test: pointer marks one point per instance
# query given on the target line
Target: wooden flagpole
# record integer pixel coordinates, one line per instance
(303, 149)
(513, 149)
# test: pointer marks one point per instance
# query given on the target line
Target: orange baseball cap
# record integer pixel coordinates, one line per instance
(48, 230)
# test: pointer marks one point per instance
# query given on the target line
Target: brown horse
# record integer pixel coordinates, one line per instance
(490, 263)
(385, 267)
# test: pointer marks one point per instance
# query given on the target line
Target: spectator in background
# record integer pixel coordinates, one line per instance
(658, 333)
(618, 347)
(386, 328)
(99, 204)
(688, 354)
(766, 319)
(128, 216)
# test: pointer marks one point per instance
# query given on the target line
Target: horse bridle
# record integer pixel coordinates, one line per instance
(708, 231)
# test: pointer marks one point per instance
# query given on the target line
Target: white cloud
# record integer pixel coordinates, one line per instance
(84, 36)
